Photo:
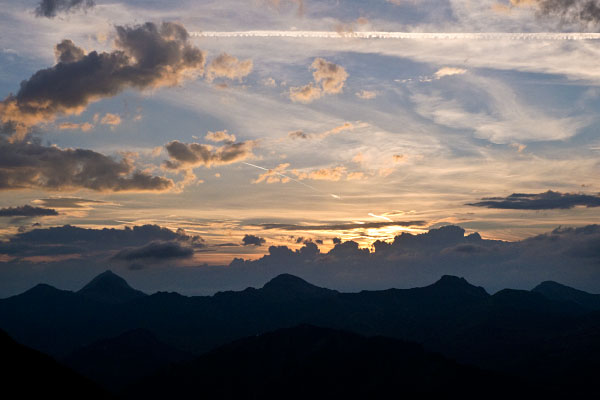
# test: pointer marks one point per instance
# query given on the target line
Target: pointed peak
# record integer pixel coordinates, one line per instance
(106, 278)
(109, 287)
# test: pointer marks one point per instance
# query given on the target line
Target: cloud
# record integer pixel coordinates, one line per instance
(356, 176)
(299, 134)
(85, 126)
(27, 211)
(322, 174)
(580, 11)
(50, 8)
(227, 66)
(340, 227)
(147, 56)
(29, 165)
(306, 93)
(111, 119)
(366, 94)
(155, 251)
(251, 240)
(67, 202)
(398, 158)
(449, 71)
(540, 201)
(220, 136)
(567, 255)
(329, 78)
(66, 52)
(278, 5)
(269, 82)
(191, 155)
(274, 175)
(67, 239)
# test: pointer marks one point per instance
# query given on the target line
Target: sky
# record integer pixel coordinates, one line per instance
(184, 144)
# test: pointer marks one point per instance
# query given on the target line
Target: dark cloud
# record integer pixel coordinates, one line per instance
(30, 165)
(298, 135)
(567, 255)
(579, 11)
(336, 240)
(570, 255)
(50, 8)
(190, 155)
(541, 201)
(27, 211)
(67, 52)
(155, 251)
(251, 240)
(68, 202)
(69, 239)
(340, 227)
(147, 56)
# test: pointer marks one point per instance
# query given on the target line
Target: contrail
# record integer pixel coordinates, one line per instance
(335, 196)
(552, 36)
(381, 216)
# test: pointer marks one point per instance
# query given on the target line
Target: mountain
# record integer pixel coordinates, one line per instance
(509, 331)
(116, 362)
(310, 362)
(290, 287)
(58, 321)
(110, 288)
(30, 374)
(556, 291)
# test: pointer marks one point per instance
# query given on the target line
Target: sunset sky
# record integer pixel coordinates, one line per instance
(127, 113)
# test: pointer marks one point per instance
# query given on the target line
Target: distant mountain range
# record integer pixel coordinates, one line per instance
(29, 374)
(116, 335)
(306, 362)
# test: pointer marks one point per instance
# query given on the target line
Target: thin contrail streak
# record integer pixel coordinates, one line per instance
(552, 36)
(335, 196)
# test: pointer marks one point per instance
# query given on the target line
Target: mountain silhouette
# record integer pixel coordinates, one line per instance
(510, 331)
(288, 287)
(110, 288)
(310, 362)
(30, 374)
(558, 292)
(116, 362)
